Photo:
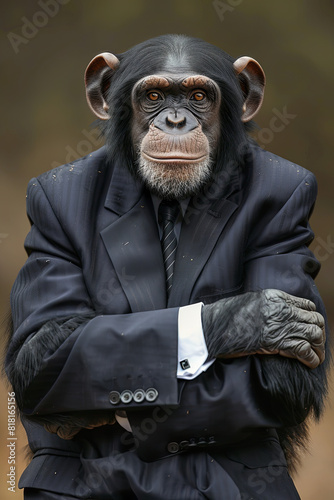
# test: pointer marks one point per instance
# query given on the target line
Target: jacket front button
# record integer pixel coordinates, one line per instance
(184, 445)
(173, 447)
(114, 397)
(126, 396)
(139, 395)
(151, 394)
(202, 442)
(192, 443)
(212, 440)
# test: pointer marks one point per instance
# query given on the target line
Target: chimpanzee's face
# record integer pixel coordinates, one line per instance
(175, 130)
(185, 121)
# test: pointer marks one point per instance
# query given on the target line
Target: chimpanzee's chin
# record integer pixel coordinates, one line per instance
(174, 180)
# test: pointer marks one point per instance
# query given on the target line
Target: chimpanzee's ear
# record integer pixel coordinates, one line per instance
(97, 81)
(252, 81)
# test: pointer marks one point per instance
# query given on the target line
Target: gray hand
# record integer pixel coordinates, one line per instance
(292, 328)
(68, 425)
(265, 322)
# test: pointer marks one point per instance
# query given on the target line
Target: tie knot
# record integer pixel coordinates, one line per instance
(168, 211)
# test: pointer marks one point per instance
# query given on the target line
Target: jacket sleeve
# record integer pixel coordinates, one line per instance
(62, 356)
(278, 257)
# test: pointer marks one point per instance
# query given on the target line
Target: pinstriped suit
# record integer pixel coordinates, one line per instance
(94, 246)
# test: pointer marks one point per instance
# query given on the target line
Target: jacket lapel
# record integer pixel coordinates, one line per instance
(203, 224)
(199, 234)
(132, 242)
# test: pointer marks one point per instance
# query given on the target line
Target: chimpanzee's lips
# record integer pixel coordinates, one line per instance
(176, 158)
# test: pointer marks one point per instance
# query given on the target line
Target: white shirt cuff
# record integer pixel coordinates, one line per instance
(192, 350)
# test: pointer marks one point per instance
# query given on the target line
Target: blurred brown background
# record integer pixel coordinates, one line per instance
(45, 47)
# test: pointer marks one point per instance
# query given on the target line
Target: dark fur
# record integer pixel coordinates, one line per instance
(151, 57)
(221, 320)
(47, 339)
(26, 364)
(298, 392)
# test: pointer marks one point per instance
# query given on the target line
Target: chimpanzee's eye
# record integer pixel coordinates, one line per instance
(198, 96)
(153, 96)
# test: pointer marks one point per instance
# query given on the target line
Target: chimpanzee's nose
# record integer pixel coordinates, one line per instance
(176, 121)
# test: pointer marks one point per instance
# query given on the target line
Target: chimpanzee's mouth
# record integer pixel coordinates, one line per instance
(176, 158)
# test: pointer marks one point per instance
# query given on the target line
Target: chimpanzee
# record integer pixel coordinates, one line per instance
(168, 340)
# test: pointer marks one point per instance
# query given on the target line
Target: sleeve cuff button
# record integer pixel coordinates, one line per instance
(151, 395)
(139, 395)
(114, 397)
(126, 397)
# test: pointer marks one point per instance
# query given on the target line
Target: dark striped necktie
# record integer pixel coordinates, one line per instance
(168, 212)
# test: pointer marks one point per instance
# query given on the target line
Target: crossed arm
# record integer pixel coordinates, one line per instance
(52, 359)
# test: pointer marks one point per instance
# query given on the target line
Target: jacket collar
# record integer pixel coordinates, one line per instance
(124, 190)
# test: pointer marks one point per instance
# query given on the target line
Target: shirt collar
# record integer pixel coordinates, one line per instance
(156, 202)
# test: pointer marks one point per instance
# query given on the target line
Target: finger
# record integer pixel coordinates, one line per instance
(303, 337)
(301, 302)
(63, 431)
(317, 336)
(303, 316)
(51, 427)
(323, 328)
(67, 432)
(304, 353)
(299, 332)
(307, 355)
(312, 363)
(320, 352)
(318, 344)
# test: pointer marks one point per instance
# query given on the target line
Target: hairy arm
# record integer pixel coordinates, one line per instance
(63, 356)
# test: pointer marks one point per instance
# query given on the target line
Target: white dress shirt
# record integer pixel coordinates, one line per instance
(192, 350)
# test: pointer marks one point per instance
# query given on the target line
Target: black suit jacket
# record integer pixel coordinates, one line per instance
(94, 248)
